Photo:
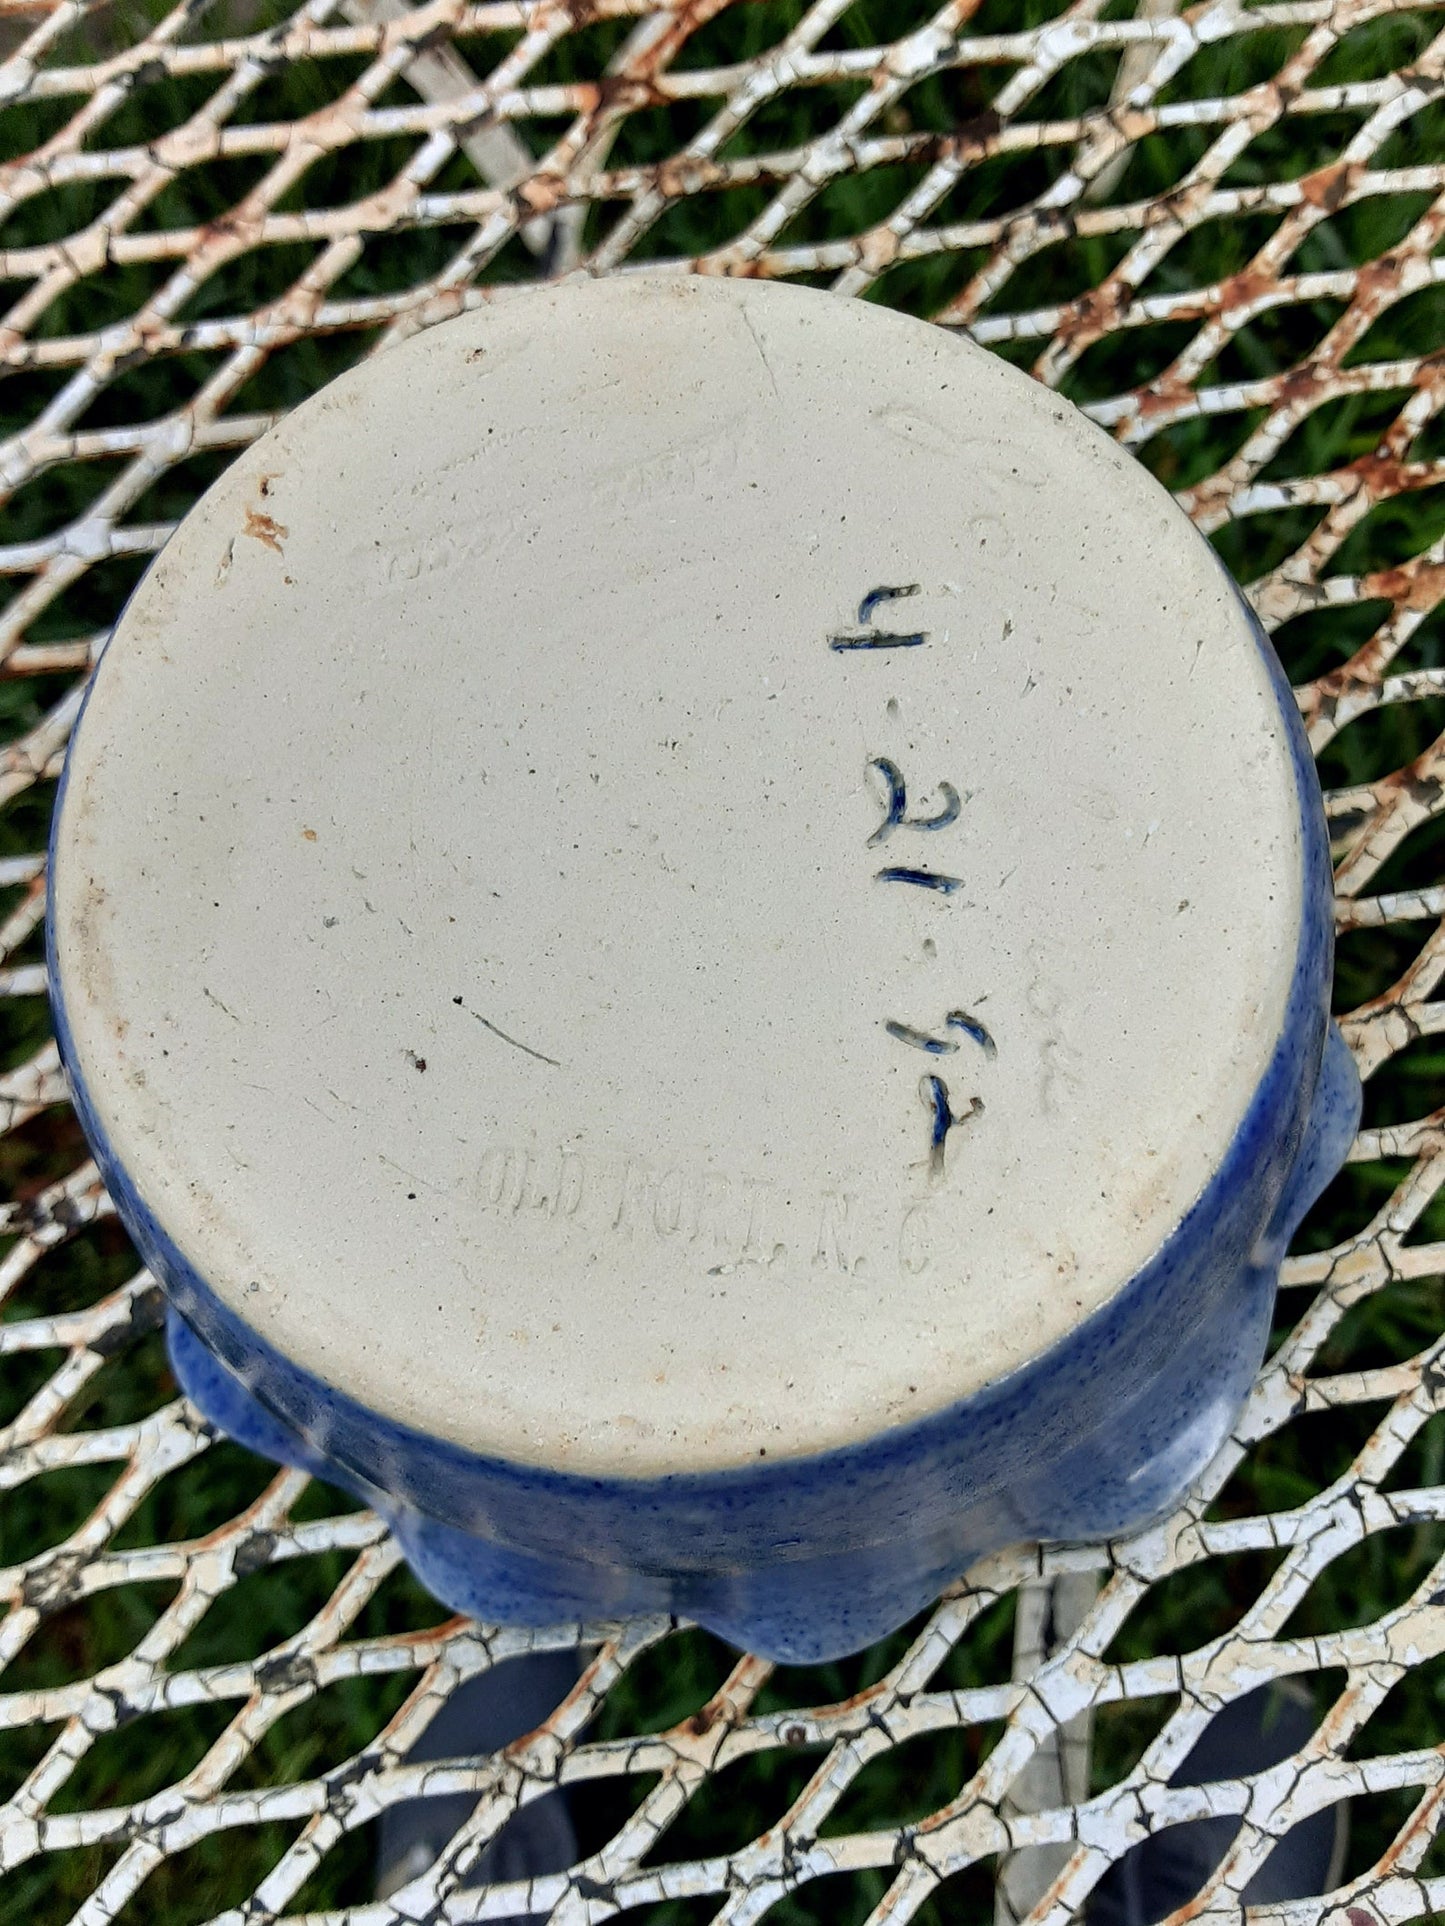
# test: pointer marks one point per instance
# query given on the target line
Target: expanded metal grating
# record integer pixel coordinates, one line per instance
(1217, 230)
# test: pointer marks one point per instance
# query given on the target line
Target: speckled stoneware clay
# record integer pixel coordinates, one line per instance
(692, 927)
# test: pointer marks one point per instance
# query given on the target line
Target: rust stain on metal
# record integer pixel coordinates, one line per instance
(1416, 585)
(1244, 292)
(1328, 188)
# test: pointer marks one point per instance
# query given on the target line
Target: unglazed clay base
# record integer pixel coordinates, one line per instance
(666, 872)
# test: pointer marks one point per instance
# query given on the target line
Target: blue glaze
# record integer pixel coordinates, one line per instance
(948, 814)
(934, 1092)
(920, 1039)
(897, 799)
(807, 1558)
(880, 638)
(943, 1046)
(875, 597)
(970, 1025)
(898, 802)
(920, 878)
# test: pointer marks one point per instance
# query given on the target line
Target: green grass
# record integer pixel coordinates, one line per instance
(678, 1676)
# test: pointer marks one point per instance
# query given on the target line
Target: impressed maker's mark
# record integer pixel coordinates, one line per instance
(721, 1223)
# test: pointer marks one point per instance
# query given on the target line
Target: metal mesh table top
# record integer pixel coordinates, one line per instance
(1220, 232)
